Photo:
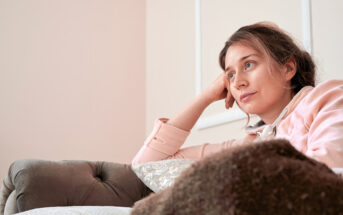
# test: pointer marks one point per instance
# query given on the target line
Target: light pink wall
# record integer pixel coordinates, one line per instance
(170, 57)
(72, 80)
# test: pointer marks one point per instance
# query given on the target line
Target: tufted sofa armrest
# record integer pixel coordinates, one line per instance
(40, 183)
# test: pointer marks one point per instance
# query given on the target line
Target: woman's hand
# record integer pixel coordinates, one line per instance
(187, 117)
(220, 89)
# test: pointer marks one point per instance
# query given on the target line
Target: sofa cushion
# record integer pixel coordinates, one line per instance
(158, 175)
(40, 183)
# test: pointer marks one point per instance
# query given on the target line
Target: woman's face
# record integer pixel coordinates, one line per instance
(258, 87)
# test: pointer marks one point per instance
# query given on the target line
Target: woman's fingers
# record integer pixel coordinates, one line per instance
(229, 100)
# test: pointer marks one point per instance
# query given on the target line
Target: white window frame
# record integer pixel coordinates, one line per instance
(233, 115)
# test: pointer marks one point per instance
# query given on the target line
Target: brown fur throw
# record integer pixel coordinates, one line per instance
(269, 177)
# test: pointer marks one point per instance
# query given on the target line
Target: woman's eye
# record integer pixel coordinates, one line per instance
(248, 65)
(231, 75)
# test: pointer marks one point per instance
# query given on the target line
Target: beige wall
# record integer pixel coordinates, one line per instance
(327, 38)
(72, 79)
(170, 57)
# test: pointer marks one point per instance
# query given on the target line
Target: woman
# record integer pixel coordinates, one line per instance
(267, 75)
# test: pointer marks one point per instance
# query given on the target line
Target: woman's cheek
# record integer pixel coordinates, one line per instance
(235, 96)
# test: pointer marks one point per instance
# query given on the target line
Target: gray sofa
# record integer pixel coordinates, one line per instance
(38, 183)
(269, 177)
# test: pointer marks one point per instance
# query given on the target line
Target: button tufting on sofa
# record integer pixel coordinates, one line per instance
(99, 177)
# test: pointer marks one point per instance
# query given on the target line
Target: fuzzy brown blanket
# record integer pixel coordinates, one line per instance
(270, 177)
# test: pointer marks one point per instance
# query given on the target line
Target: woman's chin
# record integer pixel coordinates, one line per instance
(249, 109)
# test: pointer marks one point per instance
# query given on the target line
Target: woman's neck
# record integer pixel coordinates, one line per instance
(273, 112)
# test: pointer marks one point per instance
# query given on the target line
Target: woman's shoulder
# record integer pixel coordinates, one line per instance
(329, 85)
(324, 91)
(327, 94)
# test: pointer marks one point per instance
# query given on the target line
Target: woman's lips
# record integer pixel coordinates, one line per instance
(246, 96)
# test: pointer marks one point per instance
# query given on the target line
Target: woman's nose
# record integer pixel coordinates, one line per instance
(240, 81)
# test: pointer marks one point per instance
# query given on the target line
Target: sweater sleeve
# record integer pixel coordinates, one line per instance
(165, 142)
(325, 140)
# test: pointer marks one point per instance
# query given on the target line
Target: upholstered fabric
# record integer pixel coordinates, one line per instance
(38, 183)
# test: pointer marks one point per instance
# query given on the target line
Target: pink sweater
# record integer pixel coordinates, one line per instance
(313, 124)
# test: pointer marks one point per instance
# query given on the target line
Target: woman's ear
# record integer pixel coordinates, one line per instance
(290, 68)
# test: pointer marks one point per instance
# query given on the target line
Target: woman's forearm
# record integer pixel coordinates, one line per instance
(187, 118)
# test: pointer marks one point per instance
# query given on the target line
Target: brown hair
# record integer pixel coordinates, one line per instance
(279, 46)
